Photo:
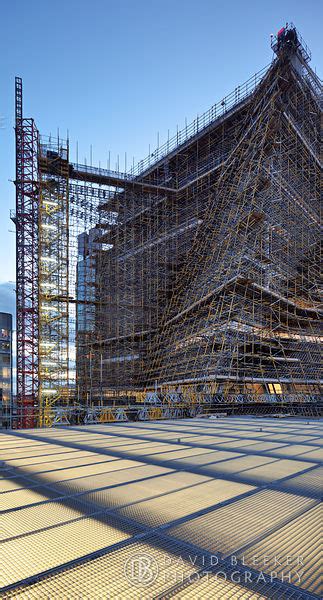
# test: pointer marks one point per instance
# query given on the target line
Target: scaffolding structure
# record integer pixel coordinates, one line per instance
(26, 221)
(53, 277)
(193, 277)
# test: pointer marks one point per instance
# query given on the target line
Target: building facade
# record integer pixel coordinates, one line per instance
(6, 365)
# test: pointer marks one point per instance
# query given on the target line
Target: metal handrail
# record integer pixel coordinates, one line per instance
(200, 122)
(100, 171)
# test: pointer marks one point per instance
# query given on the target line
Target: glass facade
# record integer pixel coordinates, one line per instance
(85, 287)
(5, 364)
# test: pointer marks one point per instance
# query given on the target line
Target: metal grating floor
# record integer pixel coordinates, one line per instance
(305, 533)
(231, 527)
(176, 505)
(81, 505)
(41, 551)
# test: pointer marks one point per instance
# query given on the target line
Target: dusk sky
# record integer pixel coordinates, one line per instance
(115, 73)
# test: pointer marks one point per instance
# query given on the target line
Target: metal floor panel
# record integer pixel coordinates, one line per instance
(20, 462)
(33, 554)
(81, 484)
(294, 438)
(102, 442)
(180, 453)
(257, 446)
(14, 442)
(89, 471)
(299, 547)
(111, 575)
(247, 444)
(208, 439)
(318, 442)
(9, 485)
(212, 587)
(140, 445)
(155, 449)
(67, 464)
(310, 483)
(121, 442)
(316, 455)
(298, 450)
(244, 433)
(207, 457)
(275, 471)
(141, 490)
(28, 520)
(176, 505)
(241, 464)
(24, 497)
(191, 437)
(227, 529)
(47, 450)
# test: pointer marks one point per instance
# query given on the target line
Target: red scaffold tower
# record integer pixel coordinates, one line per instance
(26, 221)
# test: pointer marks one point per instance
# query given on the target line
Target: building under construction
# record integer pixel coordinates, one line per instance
(193, 277)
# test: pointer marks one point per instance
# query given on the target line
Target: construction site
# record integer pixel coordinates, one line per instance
(166, 441)
(187, 283)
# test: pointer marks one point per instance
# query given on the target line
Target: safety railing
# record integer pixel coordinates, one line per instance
(182, 136)
(102, 172)
(201, 122)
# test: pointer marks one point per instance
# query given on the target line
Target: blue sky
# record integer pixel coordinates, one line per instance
(114, 73)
